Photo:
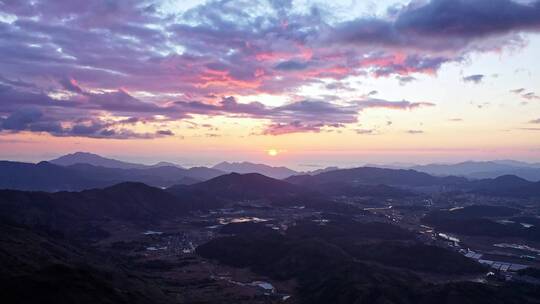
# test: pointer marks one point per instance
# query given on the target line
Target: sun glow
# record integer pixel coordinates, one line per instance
(272, 152)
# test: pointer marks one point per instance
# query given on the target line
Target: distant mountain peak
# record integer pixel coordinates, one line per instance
(93, 159)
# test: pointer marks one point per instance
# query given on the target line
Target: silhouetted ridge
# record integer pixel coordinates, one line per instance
(240, 186)
(73, 213)
(507, 186)
(247, 167)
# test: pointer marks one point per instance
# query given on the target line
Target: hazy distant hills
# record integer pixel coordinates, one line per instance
(247, 167)
(81, 170)
(485, 169)
(393, 182)
(45, 176)
(93, 159)
(470, 169)
(375, 176)
(154, 176)
(100, 161)
(223, 167)
(474, 169)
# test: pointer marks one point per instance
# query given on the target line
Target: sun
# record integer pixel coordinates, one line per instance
(272, 152)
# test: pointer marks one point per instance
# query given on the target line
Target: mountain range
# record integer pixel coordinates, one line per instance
(469, 169)
(45, 176)
(376, 176)
(485, 169)
(358, 181)
(80, 171)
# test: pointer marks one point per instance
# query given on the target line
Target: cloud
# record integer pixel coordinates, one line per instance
(291, 65)
(109, 61)
(528, 95)
(535, 121)
(366, 131)
(314, 115)
(292, 127)
(37, 112)
(403, 80)
(165, 132)
(76, 116)
(220, 48)
(71, 85)
(398, 105)
(469, 19)
(33, 120)
(474, 78)
(414, 132)
(16, 83)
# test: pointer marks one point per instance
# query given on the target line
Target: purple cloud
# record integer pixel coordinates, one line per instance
(398, 105)
(522, 94)
(291, 65)
(76, 62)
(530, 96)
(403, 80)
(477, 78)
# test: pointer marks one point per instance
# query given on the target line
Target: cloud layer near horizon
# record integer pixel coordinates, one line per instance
(72, 68)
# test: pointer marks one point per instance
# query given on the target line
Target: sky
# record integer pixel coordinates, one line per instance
(306, 84)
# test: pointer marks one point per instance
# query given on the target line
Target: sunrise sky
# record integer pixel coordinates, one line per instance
(300, 83)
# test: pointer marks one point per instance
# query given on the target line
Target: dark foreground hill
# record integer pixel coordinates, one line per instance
(236, 187)
(38, 268)
(240, 187)
(79, 214)
(482, 221)
(507, 186)
(332, 264)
